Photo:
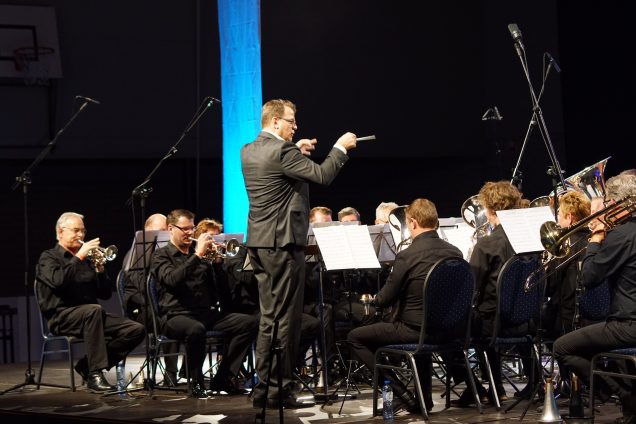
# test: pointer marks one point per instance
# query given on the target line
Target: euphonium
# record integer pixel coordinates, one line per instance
(553, 238)
(474, 214)
(399, 228)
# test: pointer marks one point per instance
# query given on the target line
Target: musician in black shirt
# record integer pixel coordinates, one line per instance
(403, 291)
(69, 285)
(488, 257)
(189, 305)
(558, 313)
(611, 256)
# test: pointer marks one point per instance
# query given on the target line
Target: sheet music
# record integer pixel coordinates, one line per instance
(346, 247)
(522, 226)
(460, 237)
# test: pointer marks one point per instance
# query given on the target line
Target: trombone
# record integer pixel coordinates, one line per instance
(556, 239)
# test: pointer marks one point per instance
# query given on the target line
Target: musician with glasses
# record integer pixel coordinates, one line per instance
(188, 303)
(611, 256)
(276, 173)
(72, 278)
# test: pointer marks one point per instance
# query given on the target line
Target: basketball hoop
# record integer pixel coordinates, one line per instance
(33, 63)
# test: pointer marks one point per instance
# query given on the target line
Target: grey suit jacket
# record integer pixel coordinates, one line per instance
(276, 176)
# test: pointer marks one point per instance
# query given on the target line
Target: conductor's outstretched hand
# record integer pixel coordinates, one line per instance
(348, 141)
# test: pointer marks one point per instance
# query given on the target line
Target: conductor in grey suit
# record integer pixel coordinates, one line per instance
(277, 173)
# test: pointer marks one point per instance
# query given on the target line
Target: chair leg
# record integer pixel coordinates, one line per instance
(42, 356)
(70, 364)
(418, 387)
(375, 387)
(471, 381)
(491, 381)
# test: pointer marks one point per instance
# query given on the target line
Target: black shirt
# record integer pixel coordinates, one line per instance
(406, 282)
(68, 281)
(615, 260)
(186, 284)
(489, 255)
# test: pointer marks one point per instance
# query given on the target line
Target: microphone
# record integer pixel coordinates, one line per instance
(515, 32)
(553, 62)
(88, 99)
(212, 100)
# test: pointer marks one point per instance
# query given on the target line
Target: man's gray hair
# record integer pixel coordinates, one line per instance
(620, 186)
(383, 210)
(62, 219)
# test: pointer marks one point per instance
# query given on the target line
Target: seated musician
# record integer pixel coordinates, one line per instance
(489, 255)
(382, 212)
(610, 256)
(135, 279)
(349, 214)
(403, 291)
(558, 314)
(72, 276)
(188, 297)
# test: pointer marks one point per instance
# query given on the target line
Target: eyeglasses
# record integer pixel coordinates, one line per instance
(291, 121)
(185, 230)
(76, 230)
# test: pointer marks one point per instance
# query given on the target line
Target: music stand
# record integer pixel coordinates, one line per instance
(341, 247)
(137, 259)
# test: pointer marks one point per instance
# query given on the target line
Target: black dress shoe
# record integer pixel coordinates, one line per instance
(82, 369)
(289, 402)
(199, 392)
(97, 383)
(229, 386)
(466, 399)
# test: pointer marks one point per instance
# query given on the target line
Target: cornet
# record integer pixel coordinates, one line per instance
(100, 255)
(226, 249)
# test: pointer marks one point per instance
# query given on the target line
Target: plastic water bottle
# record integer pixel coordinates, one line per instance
(120, 371)
(387, 401)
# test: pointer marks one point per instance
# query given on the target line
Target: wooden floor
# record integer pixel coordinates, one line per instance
(52, 405)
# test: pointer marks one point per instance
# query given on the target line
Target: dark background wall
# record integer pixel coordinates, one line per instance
(418, 75)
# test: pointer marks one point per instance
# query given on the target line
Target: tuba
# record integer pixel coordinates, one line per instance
(589, 181)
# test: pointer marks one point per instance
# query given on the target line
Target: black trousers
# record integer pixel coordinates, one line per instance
(280, 273)
(576, 349)
(364, 341)
(191, 330)
(107, 338)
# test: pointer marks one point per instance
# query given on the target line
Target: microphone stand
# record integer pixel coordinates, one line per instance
(24, 180)
(143, 190)
(517, 176)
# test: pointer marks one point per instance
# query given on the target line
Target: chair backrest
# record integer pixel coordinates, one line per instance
(515, 305)
(153, 301)
(44, 325)
(594, 303)
(121, 289)
(447, 300)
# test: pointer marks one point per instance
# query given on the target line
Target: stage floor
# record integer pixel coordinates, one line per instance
(52, 405)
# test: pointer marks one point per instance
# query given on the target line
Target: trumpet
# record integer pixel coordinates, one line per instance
(100, 255)
(220, 250)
